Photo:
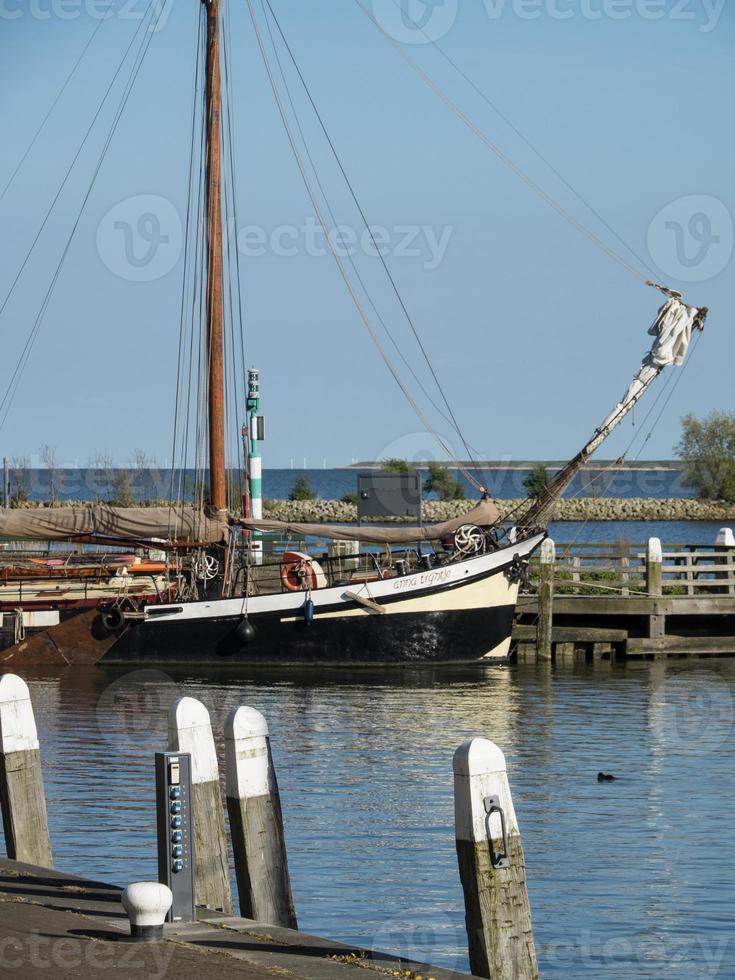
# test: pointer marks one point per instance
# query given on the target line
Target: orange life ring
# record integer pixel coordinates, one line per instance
(298, 573)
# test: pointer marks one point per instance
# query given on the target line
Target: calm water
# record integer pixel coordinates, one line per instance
(627, 879)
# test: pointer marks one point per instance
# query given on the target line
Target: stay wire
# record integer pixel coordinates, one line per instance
(350, 287)
(391, 279)
(76, 157)
(671, 388)
(187, 243)
(195, 278)
(231, 412)
(524, 139)
(53, 105)
(12, 388)
(233, 172)
(333, 219)
(233, 267)
(501, 155)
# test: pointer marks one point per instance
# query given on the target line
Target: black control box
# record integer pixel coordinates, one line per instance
(176, 832)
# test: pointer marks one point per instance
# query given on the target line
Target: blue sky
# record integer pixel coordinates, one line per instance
(533, 331)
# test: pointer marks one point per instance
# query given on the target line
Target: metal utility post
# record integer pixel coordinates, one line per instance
(254, 462)
(176, 832)
(6, 482)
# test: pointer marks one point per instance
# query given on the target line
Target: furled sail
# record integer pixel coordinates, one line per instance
(485, 514)
(672, 331)
(126, 524)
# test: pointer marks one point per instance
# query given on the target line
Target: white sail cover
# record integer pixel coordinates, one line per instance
(126, 524)
(672, 332)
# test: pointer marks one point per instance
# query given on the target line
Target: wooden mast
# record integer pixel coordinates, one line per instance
(217, 478)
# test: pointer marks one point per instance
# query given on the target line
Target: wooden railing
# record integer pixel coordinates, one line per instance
(642, 569)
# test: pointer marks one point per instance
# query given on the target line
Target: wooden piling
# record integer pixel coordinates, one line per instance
(725, 543)
(25, 821)
(654, 567)
(491, 866)
(545, 600)
(190, 731)
(654, 585)
(256, 822)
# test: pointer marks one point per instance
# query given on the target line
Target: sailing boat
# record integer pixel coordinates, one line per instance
(394, 603)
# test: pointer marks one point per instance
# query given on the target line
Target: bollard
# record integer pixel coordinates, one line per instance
(190, 731)
(256, 823)
(146, 904)
(21, 780)
(491, 866)
(545, 600)
(654, 585)
(654, 567)
(726, 543)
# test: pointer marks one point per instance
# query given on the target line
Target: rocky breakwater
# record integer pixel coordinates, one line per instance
(577, 509)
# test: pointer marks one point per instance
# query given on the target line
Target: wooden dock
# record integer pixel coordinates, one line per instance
(593, 602)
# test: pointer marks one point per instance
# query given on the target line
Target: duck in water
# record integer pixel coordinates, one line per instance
(603, 777)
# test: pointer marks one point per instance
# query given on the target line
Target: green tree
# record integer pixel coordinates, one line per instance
(707, 449)
(21, 469)
(393, 465)
(122, 489)
(537, 481)
(301, 490)
(441, 482)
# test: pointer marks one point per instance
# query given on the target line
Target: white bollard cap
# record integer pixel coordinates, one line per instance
(147, 904)
(725, 537)
(190, 730)
(17, 723)
(245, 722)
(655, 551)
(246, 754)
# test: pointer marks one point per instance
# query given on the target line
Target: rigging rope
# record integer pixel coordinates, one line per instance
(676, 379)
(452, 418)
(233, 310)
(77, 155)
(498, 111)
(335, 254)
(500, 154)
(51, 108)
(185, 278)
(348, 283)
(333, 219)
(12, 388)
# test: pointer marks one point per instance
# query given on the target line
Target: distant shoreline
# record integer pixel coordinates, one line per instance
(666, 466)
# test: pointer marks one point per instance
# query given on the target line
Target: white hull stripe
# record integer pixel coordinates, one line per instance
(426, 584)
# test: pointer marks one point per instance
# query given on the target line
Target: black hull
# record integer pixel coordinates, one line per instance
(450, 636)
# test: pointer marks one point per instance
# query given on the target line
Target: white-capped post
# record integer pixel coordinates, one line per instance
(21, 780)
(190, 730)
(726, 544)
(655, 586)
(547, 565)
(654, 567)
(491, 866)
(256, 822)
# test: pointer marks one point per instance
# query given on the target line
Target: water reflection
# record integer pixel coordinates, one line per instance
(627, 879)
